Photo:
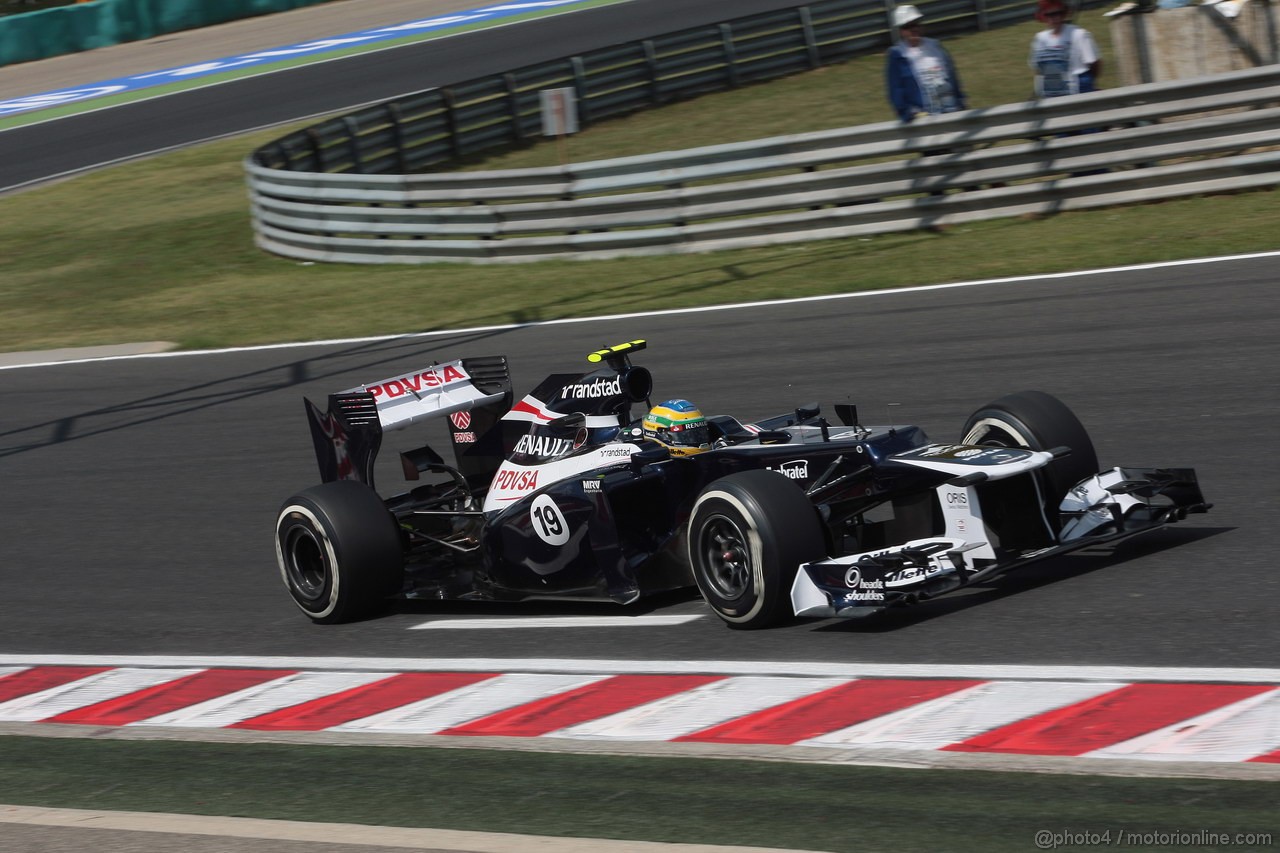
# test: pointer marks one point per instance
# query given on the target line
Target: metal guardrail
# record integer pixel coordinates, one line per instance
(331, 199)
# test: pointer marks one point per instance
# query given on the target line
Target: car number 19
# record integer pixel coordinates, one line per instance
(548, 521)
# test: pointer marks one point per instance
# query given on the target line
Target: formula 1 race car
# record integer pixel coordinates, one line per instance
(565, 495)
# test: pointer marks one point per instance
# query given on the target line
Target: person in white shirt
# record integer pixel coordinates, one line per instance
(1064, 56)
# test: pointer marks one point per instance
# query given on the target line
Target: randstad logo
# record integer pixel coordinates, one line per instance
(600, 388)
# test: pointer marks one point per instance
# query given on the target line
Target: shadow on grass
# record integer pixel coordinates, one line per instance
(381, 356)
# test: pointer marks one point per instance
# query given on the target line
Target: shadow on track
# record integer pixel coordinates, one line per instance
(1033, 576)
(238, 387)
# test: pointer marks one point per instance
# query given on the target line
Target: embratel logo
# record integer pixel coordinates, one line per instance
(797, 469)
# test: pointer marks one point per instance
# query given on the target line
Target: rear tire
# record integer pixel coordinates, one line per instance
(1037, 421)
(748, 534)
(339, 551)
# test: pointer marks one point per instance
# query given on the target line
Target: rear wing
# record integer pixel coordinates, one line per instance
(474, 392)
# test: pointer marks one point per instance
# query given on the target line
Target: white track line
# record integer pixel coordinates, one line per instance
(557, 622)
(671, 311)
(989, 672)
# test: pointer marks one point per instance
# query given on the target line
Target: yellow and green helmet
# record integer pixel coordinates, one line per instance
(679, 425)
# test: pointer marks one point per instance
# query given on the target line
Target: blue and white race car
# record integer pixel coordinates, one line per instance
(566, 494)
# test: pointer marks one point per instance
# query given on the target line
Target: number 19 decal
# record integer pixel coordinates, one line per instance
(548, 521)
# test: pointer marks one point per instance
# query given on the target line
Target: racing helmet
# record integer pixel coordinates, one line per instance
(679, 426)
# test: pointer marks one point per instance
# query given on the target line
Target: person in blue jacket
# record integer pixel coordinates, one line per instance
(919, 74)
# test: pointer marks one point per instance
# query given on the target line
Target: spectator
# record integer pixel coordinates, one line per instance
(1064, 56)
(920, 77)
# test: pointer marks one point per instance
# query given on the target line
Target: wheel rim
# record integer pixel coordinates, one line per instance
(726, 557)
(305, 562)
(989, 433)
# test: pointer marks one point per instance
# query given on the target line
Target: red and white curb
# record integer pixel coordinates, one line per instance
(1203, 719)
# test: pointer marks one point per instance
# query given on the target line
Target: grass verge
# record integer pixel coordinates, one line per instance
(835, 808)
(161, 249)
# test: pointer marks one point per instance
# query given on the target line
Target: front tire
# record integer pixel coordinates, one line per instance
(748, 534)
(339, 551)
(1037, 421)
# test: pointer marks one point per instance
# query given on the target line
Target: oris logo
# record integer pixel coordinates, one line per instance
(957, 499)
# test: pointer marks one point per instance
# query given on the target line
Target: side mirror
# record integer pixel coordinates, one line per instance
(807, 412)
(649, 456)
(568, 424)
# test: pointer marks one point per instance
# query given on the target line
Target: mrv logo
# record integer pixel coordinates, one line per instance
(599, 388)
(797, 469)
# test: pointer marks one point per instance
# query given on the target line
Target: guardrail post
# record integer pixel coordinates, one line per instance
(580, 86)
(397, 133)
(353, 142)
(981, 9)
(513, 100)
(651, 60)
(451, 122)
(316, 150)
(730, 55)
(1270, 13)
(810, 38)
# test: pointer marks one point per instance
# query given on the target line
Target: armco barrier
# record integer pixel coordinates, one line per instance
(345, 190)
(434, 129)
(85, 26)
(1162, 140)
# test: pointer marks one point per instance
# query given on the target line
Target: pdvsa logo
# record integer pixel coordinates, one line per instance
(411, 383)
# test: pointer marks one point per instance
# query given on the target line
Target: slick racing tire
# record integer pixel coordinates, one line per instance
(1037, 421)
(339, 551)
(748, 534)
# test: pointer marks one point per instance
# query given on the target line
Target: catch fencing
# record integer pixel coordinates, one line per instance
(351, 195)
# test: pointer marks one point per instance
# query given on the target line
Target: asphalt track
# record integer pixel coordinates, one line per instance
(139, 494)
(34, 152)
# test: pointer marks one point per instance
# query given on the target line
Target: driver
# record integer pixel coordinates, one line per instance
(679, 426)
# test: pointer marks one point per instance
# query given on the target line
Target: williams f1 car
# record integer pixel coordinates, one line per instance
(564, 494)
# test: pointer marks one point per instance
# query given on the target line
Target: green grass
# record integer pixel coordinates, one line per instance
(757, 803)
(162, 249)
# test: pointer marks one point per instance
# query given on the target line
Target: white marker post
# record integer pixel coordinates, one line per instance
(559, 116)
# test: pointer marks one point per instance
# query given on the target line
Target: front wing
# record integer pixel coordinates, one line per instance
(1107, 507)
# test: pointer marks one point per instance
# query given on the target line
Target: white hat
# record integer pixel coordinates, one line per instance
(903, 15)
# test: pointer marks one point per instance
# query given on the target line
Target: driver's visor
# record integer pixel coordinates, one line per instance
(691, 436)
